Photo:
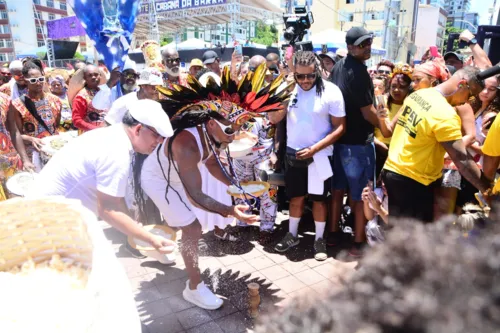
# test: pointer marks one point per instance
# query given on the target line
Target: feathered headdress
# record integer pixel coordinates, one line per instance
(237, 103)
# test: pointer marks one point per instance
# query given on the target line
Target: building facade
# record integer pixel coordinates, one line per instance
(23, 25)
(431, 26)
(457, 11)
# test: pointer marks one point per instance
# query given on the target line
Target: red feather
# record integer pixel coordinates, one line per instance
(249, 98)
(269, 107)
(259, 102)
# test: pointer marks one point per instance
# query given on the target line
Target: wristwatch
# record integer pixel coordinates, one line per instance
(472, 41)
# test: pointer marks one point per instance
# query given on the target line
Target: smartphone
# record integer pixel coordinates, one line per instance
(434, 51)
(238, 49)
(370, 185)
(324, 48)
(381, 104)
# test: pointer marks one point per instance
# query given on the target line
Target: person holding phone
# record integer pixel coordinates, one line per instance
(315, 119)
(376, 208)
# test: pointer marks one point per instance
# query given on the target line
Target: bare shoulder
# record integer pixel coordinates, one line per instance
(184, 147)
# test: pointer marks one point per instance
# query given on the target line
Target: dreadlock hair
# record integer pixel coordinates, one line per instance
(185, 120)
(308, 58)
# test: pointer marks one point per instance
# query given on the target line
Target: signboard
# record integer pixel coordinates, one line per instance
(170, 5)
(64, 28)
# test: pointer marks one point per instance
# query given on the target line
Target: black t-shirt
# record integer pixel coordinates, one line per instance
(352, 77)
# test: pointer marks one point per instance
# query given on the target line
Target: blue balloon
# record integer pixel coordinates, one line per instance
(110, 24)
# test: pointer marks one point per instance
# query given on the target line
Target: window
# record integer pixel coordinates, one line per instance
(4, 29)
(38, 15)
(52, 17)
(349, 1)
(4, 15)
(350, 17)
(39, 29)
(40, 42)
(50, 3)
(83, 48)
(62, 5)
(5, 43)
(36, 2)
(4, 57)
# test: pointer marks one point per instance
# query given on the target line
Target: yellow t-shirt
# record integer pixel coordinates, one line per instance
(393, 110)
(415, 152)
(491, 146)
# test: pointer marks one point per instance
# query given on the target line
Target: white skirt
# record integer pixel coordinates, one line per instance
(217, 190)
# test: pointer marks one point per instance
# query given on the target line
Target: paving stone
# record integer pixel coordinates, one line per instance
(234, 323)
(168, 323)
(210, 327)
(153, 310)
(309, 277)
(193, 317)
(289, 284)
(274, 273)
(177, 303)
(261, 262)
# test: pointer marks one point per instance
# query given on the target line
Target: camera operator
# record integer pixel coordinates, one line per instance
(354, 155)
(315, 120)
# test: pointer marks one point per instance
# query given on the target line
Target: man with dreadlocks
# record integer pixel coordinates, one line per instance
(205, 122)
(315, 120)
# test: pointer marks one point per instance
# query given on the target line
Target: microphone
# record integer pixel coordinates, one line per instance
(487, 73)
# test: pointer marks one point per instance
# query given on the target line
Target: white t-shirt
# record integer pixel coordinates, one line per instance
(308, 115)
(99, 160)
(119, 108)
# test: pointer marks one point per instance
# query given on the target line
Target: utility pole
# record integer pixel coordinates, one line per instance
(364, 13)
(387, 18)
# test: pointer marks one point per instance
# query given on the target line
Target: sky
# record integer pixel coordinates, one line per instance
(481, 7)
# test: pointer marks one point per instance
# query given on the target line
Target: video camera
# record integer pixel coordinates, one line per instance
(296, 26)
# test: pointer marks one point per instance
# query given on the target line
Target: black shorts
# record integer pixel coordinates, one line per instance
(409, 198)
(296, 184)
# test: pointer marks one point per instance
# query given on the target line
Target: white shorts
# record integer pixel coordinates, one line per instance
(177, 211)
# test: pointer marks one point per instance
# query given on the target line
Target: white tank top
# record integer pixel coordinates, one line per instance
(156, 165)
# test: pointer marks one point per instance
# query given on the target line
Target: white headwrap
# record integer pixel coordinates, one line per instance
(129, 64)
(16, 64)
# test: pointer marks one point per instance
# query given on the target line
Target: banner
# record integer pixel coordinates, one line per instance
(170, 5)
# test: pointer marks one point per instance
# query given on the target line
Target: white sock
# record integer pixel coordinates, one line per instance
(294, 225)
(320, 229)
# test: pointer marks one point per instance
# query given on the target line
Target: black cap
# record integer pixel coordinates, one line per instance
(451, 53)
(330, 55)
(356, 35)
(209, 57)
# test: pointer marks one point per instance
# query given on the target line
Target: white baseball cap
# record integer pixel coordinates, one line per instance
(150, 76)
(150, 113)
(129, 64)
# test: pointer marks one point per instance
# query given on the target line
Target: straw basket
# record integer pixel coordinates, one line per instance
(37, 229)
(255, 194)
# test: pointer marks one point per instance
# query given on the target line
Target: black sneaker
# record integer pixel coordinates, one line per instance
(334, 238)
(135, 253)
(287, 243)
(320, 250)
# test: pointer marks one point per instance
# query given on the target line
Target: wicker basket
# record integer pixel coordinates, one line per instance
(37, 229)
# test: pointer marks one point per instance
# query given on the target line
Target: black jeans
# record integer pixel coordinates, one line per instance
(409, 198)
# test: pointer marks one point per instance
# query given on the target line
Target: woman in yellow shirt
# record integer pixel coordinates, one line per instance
(399, 88)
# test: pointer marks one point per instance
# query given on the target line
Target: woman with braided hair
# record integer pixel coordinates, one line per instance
(205, 119)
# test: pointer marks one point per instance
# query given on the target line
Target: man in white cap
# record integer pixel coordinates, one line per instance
(149, 79)
(17, 86)
(127, 83)
(95, 168)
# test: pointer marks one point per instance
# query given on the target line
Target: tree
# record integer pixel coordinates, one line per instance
(450, 29)
(265, 34)
(166, 40)
(79, 56)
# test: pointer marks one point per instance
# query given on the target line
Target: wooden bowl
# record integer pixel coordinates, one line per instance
(255, 194)
(157, 229)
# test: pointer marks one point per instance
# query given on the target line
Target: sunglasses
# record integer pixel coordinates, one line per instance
(156, 134)
(36, 79)
(302, 77)
(6, 74)
(130, 75)
(381, 71)
(365, 43)
(171, 61)
(227, 129)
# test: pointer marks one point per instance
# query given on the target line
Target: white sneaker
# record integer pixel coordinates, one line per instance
(202, 297)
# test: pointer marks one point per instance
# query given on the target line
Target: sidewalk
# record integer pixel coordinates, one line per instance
(227, 269)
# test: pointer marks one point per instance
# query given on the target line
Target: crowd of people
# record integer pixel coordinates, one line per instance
(395, 141)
